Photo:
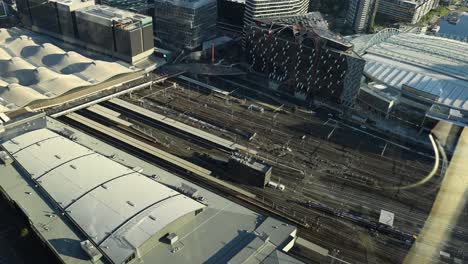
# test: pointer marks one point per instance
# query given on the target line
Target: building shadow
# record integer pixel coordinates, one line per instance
(231, 248)
(69, 247)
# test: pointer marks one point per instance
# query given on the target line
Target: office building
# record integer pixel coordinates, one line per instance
(301, 57)
(409, 11)
(122, 34)
(231, 15)
(185, 24)
(360, 14)
(133, 5)
(257, 9)
(126, 34)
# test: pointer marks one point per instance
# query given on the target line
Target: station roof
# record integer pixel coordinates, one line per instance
(116, 207)
(427, 63)
(32, 69)
(217, 235)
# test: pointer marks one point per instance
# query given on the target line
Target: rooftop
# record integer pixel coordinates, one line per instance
(117, 207)
(95, 192)
(107, 15)
(252, 163)
(427, 63)
(32, 68)
(72, 5)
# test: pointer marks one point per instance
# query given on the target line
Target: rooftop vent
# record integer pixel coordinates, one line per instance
(91, 250)
(172, 238)
(5, 158)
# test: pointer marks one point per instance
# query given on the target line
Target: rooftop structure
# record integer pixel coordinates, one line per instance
(106, 15)
(84, 205)
(414, 64)
(374, 97)
(72, 5)
(183, 23)
(303, 58)
(33, 69)
(94, 192)
(120, 33)
(410, 11)
(248, 170)
(310, 23)
(126, 34)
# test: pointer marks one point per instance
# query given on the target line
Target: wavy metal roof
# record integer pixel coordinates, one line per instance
(33, 69)
(116, 207)
(431, 64)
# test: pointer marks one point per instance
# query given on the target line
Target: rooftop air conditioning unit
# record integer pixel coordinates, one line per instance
(91, 250)
(172, 238)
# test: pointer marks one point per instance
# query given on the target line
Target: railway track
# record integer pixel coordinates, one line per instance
(378, 170)
(279, 206)
(407, 172)
(282, 205)
(295, 178)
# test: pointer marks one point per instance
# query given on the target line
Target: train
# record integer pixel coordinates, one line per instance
(408, 239)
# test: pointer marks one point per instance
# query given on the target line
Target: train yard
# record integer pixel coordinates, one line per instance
(332, 174)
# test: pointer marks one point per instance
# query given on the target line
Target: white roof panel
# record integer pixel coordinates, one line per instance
(39, 159)
(75, 176)
(118, 201)
(27, 139)
(107, 200)
(142, 227)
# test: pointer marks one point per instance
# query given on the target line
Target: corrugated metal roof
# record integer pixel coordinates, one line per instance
(431, 64)
(111, 203)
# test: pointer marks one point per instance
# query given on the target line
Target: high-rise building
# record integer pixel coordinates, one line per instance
(185, 23)
(119, 33)
(231, 15)
(410, 11)
(255, 9)
(125, 33)
(302, 58)
(126, 4)
(361, 13)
